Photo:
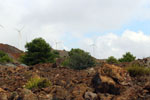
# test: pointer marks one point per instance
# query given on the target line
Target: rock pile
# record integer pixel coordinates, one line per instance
(107, 82)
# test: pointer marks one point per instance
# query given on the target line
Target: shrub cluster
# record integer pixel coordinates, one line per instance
(112, 60)
(128, 57)
(137, 70)
(37, 82)
(79, 59)
(4, 58)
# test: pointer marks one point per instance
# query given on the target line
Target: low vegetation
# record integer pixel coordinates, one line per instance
(37, 82)
(128, 57)
(79, 59)
(4, 58)
(137, 70)
(112, 60)
(38, 51)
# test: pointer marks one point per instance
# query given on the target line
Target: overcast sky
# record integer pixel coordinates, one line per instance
(102, 27)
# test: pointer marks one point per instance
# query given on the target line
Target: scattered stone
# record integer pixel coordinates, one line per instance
(59, 93)
(3, 94)
(26, 94)
(90, 96)
(105, 82)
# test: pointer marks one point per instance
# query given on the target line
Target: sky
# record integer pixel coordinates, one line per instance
(101, 27)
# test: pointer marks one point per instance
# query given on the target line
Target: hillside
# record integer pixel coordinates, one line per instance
(102, 82)
(13, 52)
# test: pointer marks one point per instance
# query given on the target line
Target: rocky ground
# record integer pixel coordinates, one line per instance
(105, 82)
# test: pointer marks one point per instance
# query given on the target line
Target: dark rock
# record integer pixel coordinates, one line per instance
(96, 80)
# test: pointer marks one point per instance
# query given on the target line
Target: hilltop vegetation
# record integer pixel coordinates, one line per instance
(79, 59)
(38, 51)
(127, 57)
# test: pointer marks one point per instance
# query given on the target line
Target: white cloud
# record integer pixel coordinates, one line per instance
(56, 20)
(115, 45)
(83, 16)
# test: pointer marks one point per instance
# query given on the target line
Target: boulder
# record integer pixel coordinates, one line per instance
(118, 74)
(45, 97)
(59, 92)
(26, 94)
(91, 71)
(14, 96)
(79, 91)
(110, 79)
(105, 84)
(105, 96)
(3, 94)
(90, 96)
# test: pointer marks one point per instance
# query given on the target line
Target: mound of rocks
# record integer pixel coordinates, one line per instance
(107, 82)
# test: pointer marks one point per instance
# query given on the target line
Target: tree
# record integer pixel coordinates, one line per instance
(38, 51)
(78, 59)
(112, 60)
(128, 57)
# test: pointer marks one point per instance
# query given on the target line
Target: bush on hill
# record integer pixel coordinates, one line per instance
(112, 60)
(128, 57)
(4, 58)
(79, 59)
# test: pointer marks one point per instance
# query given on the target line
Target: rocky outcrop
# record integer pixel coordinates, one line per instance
(110, 79)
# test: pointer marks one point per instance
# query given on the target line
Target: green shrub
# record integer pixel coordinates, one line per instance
(112, 60)
(128, 57)
(65, 63)
(37, 82)
(38, 51)
(137, 70)
(4, 58)
(79, 59)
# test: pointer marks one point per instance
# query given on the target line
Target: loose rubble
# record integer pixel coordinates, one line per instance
(106, 82)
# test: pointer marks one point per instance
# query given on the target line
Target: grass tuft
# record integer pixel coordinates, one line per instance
(137, 70)
(37, 82)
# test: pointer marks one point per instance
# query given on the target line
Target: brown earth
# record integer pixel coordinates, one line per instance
(105, 82)
(13, 52)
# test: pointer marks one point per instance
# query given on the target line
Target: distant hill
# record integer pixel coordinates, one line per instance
(12, 51)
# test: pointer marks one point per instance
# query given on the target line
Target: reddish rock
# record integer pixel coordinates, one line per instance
(108, 82)
(60, 93)
(26, 94)
(79, 91)
(118, 74)
(3, 94)
(106, 96)
(90, 96)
